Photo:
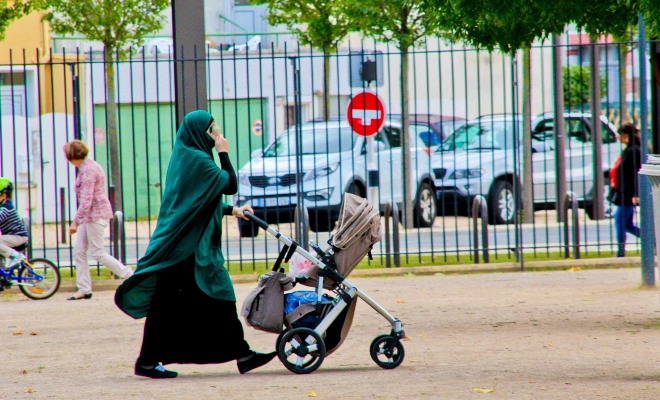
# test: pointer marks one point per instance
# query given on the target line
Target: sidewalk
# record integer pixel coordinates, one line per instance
(572, 334)
(558, 265)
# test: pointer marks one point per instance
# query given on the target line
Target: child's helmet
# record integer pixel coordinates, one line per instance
(6, 187)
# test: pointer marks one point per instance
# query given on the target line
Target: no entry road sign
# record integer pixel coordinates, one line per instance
(366, 113)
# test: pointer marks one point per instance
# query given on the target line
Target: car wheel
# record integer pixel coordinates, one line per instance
(425, 207)
(502, 203)
(355, 189)
(247, 229)
(321, 221)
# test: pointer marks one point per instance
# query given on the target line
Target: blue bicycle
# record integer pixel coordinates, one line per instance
(37, 278)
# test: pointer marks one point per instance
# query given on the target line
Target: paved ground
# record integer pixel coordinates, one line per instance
(576, 334)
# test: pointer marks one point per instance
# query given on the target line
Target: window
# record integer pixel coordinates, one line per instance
(12, 79)
(577, 130)
(393, 136)
(318, 140)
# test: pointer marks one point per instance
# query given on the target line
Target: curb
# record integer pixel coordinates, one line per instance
(556, 265)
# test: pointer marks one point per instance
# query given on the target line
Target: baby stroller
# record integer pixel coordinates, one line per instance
(315, 323)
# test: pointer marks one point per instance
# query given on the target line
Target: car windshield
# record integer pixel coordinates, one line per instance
(480, 136)
(449, 127)
(318, 140)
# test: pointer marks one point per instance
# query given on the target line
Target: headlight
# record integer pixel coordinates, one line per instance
(319, 172)
(467, 173)
(244, 179)
(320, 194)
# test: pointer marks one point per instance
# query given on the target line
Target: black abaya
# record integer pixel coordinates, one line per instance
(186, 326)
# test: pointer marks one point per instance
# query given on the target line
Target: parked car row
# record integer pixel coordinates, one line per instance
(333, 162)
(479, 159)
(448, 170)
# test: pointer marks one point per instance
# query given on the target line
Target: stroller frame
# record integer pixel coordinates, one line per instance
(307, 345)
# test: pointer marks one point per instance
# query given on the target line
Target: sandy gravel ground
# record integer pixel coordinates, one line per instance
(543, 335)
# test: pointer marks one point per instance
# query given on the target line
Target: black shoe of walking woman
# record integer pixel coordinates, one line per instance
(255, 360)
(154, 371)
(79, 296)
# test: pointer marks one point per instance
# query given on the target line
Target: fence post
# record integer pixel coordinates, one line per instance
(570, 197)
(63, 214)
(480, 210)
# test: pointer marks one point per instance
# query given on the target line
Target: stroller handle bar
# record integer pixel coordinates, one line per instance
(262, 224)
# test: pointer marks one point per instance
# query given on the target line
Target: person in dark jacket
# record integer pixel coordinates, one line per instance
(181, 284)
(627, 194)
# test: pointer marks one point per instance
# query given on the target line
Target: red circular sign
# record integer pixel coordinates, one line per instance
(366, 113)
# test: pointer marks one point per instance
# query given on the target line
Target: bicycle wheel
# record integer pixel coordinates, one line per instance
(38, 279)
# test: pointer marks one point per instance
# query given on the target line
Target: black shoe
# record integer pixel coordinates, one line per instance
(80, 297)
(155, 372)
(256, 360)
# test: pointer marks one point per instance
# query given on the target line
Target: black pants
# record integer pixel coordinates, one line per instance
(186, 326)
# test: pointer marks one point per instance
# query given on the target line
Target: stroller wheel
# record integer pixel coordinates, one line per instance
(387, 351)
(301, 350)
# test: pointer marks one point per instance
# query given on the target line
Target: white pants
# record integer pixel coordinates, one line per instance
(90, 238)
(9, 241)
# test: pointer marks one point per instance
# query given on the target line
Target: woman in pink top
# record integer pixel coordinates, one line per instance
(91, 220)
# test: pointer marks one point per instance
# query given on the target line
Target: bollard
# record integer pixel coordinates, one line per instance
(302, 228)
(570, 197)
(480, 210)
(28, 248)
(392, 210)
(118, 237)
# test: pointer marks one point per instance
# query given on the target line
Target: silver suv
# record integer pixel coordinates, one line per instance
(478, 159)
(333, 162)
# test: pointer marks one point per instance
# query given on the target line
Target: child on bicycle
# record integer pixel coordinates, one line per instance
(12, 229)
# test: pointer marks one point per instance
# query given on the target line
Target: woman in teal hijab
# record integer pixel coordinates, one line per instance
(181, 285)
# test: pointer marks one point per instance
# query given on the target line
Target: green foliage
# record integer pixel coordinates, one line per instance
(403, 22)
(9, 13)
(515, 24)
(576, 86)
(507, 24)
(649, 9)
(321, 24)
(118, 24)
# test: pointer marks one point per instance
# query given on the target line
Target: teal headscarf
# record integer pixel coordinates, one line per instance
(189, 221)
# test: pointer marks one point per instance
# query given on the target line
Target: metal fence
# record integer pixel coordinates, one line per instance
(465, 141)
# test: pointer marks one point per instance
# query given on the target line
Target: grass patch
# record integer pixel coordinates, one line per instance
(412, 260)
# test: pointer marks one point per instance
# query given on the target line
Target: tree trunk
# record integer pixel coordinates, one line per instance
(405, 142)
(597, 195)
(623, 88)
(528, 184)
(115, 167)
(560, 139)
(326, 84)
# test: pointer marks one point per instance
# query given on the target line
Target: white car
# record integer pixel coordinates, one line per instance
(479, 159)
(333, 162)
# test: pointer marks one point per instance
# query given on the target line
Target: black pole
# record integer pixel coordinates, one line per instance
(189, 57)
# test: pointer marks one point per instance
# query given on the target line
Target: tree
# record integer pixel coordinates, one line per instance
(576, 86)
(320, 24)
(9, 13)
(404, 23)
(118, 24)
